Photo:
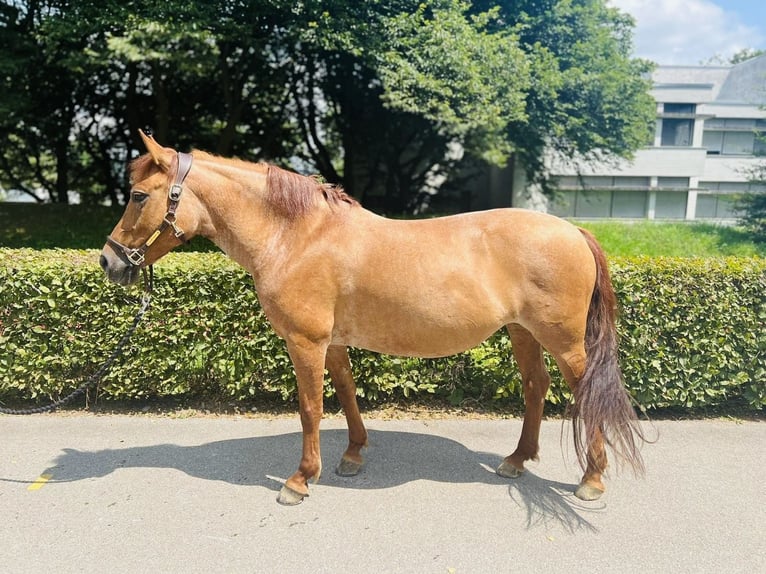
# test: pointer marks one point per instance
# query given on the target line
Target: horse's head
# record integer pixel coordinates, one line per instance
(156, 219)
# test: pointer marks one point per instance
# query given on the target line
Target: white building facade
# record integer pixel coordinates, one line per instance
(709, 133)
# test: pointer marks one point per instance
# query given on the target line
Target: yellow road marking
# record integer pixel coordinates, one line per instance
(41, 480)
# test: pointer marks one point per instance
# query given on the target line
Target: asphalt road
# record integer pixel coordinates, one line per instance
(126, 494)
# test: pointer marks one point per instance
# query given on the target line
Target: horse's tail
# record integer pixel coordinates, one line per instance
(601, 402)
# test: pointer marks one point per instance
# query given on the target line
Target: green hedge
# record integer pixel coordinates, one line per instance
(691, 335)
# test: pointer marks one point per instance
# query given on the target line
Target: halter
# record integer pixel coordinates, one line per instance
(137, 255)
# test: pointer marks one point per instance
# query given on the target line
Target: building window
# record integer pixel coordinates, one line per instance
(673, 183)
(670, 205)
(602, 196)
(630, 204)
(712, 142)
(729, 143)
(633, 204)
(730, 186)
(686, 109)
(677, 132)
(568, 182)
(563, 204)
(740, 124)
(733, 136)
(600, 203)
(715, 206)
(759, 146)
(593, 203)
(596, 182)
(738, 143)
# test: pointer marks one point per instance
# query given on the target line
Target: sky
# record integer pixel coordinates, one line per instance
(691, 32)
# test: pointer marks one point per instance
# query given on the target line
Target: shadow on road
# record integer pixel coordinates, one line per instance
(547, 502)
(393, 458)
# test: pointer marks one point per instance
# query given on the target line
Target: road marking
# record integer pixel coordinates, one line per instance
(40, 482)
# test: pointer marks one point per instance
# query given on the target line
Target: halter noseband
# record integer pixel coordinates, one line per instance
(137, 255)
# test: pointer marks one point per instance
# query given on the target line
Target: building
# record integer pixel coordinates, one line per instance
(708, 136)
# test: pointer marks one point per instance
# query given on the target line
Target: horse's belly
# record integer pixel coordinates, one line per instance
(428, 345)
(414, 334)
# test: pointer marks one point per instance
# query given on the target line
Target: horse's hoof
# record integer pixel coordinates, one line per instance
(508, 470)
(588, 492)
(348, 467)
(289, 497)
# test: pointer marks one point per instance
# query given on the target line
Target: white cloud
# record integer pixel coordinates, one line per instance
(687, 31)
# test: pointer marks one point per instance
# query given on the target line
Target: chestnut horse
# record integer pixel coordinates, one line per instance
(330, 274)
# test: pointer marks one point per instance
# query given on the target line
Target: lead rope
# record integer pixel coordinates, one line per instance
(93, 380)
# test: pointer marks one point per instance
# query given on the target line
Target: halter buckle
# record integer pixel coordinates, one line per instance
(175, 192)
(170, 219)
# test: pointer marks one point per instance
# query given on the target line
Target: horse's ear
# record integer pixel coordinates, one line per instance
(162, 156)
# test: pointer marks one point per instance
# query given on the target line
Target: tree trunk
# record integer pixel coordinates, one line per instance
(234, 102)
(62, 171)
(162, 111)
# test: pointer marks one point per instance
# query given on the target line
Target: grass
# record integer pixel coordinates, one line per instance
(51, 226)
(657, 239)
(85, 227)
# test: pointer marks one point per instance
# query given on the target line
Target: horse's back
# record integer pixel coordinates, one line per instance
(505, 245)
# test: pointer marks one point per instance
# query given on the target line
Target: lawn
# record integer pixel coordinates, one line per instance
(85, 227)
(673, 239)
(63, 226)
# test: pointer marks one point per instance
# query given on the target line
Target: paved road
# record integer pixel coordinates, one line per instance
(154, 494)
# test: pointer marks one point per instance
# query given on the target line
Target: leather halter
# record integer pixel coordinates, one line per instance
(137, 255)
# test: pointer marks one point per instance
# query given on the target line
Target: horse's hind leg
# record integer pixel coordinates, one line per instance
(535, 380)
(339, 367)
(591, 487)
(570, 357)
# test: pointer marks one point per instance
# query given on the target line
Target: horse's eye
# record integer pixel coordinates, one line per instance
(138, 196)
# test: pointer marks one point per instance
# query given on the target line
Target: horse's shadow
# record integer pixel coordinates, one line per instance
(397, 458)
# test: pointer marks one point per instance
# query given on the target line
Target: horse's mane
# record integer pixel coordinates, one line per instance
(293, 195)
(289, 194)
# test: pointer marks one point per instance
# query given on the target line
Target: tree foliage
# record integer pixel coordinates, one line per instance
(752, 205)
(390, 99)
(737, 58)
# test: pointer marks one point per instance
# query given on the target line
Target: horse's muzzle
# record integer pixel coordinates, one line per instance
(118, 270)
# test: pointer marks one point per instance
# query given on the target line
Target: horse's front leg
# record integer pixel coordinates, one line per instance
(308, 360)
(339, 367)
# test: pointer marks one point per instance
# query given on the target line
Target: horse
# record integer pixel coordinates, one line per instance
(330, 274)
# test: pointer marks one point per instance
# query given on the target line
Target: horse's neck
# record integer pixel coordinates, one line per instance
(245, 227)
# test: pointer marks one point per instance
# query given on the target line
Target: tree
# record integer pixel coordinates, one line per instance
(37, 102)
(383, 106)
(588, 99)
(736, 58)
(493, 79)
(752, 206)
(82, 76)
(394, 100)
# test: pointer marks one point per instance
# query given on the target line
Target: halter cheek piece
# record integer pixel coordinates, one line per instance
(137, 255)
